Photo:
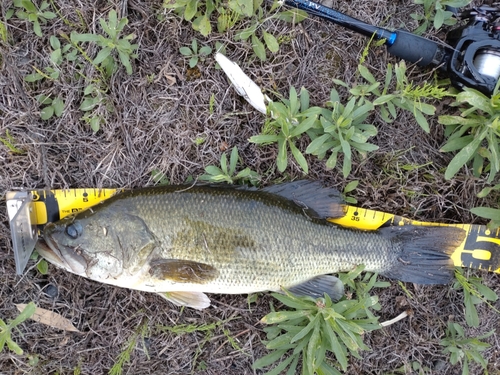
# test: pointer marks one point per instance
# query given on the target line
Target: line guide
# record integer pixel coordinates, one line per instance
(29, 211)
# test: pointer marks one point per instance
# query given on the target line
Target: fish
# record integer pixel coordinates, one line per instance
(185, 241)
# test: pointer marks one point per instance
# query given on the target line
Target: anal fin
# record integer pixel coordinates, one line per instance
(196, 300)
(318, 286)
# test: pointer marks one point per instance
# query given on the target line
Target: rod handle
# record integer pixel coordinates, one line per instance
(415, 49)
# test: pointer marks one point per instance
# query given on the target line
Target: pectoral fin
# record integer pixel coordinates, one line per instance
(320, 285)
(182, 271)
(196, 300)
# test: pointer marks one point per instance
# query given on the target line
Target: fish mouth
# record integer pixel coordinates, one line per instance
(62, 256)
(43, 248)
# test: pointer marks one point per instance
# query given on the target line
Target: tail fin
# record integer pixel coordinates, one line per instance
(424, 253)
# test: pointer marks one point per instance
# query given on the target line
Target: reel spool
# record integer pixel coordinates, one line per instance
(475, 59)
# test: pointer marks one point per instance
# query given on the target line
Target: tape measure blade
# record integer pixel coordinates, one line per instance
(53, 205)
(24, 235)
(362, 218)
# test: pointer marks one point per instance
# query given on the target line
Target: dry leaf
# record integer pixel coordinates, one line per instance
(50, 318)
(171, 79)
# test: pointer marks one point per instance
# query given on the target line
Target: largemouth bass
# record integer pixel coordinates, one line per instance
(184, 241)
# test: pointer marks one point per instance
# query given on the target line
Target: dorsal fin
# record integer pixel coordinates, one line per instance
(317, 201)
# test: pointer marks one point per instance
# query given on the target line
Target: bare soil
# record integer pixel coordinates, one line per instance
(151, 120)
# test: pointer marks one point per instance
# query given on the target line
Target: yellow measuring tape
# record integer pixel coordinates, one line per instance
(53, 205)
(480, 248)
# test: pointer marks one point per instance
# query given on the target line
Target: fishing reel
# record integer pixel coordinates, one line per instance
(471, 58)
(474, 60)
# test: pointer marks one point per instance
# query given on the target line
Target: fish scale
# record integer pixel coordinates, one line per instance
(286, 249)
(234, 240)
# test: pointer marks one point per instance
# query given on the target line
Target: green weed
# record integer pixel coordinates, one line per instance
(314, 327)
(211, 105)
(463, 349)
(42, 265)
(474, 292)
(405, 290)
(124, 356)
(405, 95)
(33, 360)
(48, 72)
(227, 173)
(29, 11)
(74, 51)
(231, 340)
(349, 188)
(207, 329)
(6, 329)
(343, 129)
(259, 43)
(159, 177)
(289, 121)
(362, 285)
(483, 193)
(475, 133)
(57, 56)
(334, 129)
(94, 95)
(227, 19)
(194, 54)
(4, 33)
(252, 298)
(414, 367)
(59, 53)
(233, 12)
(9, 141)
(51, 107)
(395, 92)
(198, 141)
(197, 11)
(78, 369)
(435, 14)
(66, 21)
(492, 214)
(111, 45)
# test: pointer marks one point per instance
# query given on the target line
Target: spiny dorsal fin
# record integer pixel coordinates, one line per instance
(182, 271)
(196, 300)
(318, 201)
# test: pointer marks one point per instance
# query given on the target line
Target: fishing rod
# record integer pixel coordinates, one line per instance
(471, 57)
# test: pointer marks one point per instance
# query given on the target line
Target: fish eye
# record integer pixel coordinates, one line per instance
(74, 230)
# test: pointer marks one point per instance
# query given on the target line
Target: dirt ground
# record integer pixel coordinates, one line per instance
(150, 123)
